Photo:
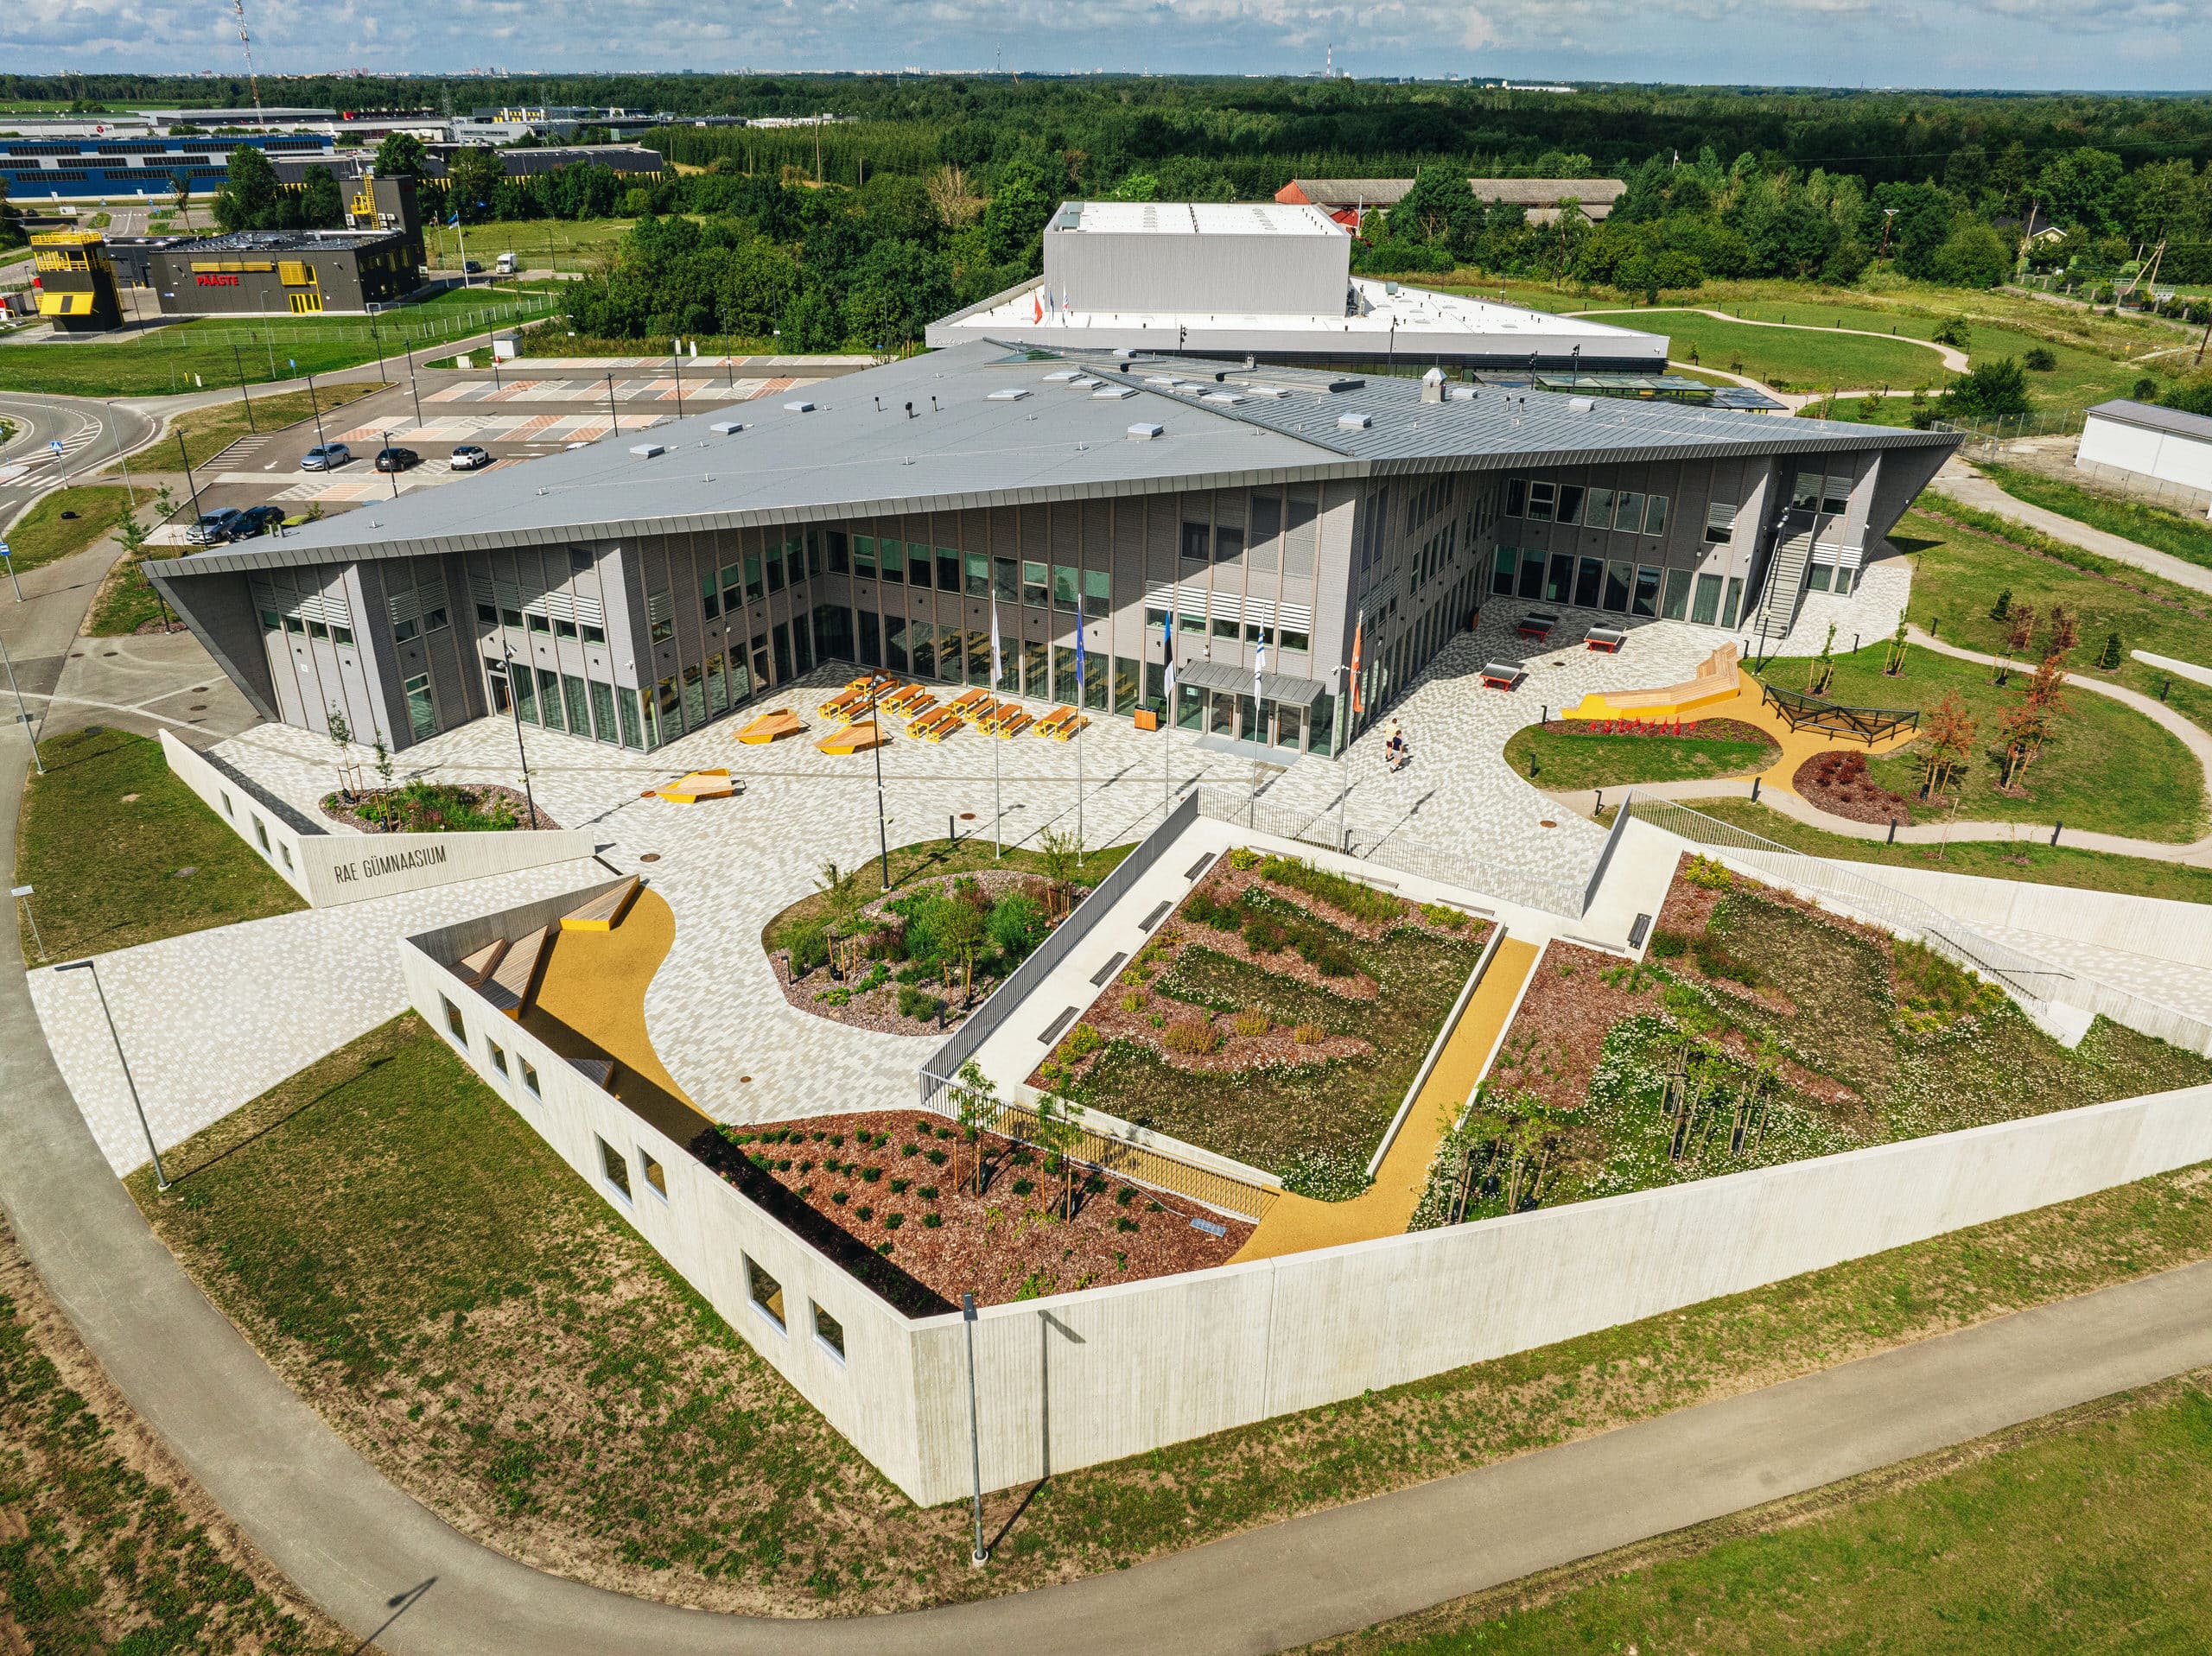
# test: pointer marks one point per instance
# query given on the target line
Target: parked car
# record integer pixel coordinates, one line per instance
(397, 459)
(214, 527)
(256, 520)
(467, 457)
(325, 457)
(473, 267)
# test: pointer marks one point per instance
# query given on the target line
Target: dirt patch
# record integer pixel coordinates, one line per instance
(1840, 783)
(1551, 1048)
(873, 1182)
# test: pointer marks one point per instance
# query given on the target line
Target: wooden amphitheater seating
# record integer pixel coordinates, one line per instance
(472, 969)
(700, 784)
(772, 727)
(515, 980)
(605, 911)
(1718, 679)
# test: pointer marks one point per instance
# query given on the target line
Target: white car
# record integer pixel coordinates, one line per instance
(470, 457)
(325, 457)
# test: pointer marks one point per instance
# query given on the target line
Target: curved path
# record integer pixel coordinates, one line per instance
(1970, 488)
(1954, 358)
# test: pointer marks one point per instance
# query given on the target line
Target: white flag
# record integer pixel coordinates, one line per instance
(996, 671)
(1259, 662)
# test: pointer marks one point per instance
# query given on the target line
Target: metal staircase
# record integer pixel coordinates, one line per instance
(1785, 577)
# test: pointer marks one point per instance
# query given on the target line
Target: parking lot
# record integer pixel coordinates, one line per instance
(523, 412)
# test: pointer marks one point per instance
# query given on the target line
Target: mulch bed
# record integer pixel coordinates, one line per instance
(1000, 1245)
(1840, 783)
(334, 806)
(1710, 730)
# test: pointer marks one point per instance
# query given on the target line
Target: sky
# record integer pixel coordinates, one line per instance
(2146, 45)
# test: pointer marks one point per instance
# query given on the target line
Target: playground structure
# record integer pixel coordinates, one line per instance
(1719, 678)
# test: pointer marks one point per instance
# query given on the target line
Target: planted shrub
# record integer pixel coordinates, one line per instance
(898, 1186)
(1192, 1036)
(1451, 919)
(1668, 944)
(1082, 1041)
(2041, 358)
(863, 1213)
(839, 1197)
(1016, 925)
(1126, 1194)
(871, 1174)
(936, 1157)
(1707, 875)
(1250, 1023)
(1242, 858)
(1309, 1035)
(1349, 896)
(1133, 1001)
(927, 1192)
(892, 1221)
(932, 1220)
(1124, 1222)
(1023, 1187)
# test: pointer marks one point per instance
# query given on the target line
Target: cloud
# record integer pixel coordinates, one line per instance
(1970, 42)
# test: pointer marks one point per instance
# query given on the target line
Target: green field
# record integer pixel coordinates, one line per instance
(2107, 768)
(1564, 761)
(1787, 358)
(2031, 861)
(541, 243)
(2073, 1533)
(2165, 530)
(106, 833)
(168, 359)
(42, 534)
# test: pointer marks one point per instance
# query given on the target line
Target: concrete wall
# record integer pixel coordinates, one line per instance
(2142, 925)
(1082, 1378)
(2167, 454)
(327, 868)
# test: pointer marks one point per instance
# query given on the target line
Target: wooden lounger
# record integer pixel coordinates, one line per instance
(855, 738)
(472, 969)
(772, 727)
(605, 911)
(513, 984)
(700, 784)
(1502, 675)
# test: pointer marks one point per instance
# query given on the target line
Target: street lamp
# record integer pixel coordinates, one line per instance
(317, 408)
(875, 747)
(982, 1555)
(161, 1173)
(394, 473)
(22, 715)
(514, 704)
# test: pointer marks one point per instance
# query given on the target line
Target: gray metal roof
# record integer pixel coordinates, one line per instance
(941, 432)
(2152, 417)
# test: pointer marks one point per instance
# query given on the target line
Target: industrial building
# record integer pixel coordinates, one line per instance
(1271, 282)
(376, 262)
(76, 280)
(1288, 520)
(2144, 442)
(141, 163)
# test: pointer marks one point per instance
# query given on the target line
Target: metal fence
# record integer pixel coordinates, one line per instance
(1486, 872)
(2036, 983)
(391, 330)
(1123, 1158)
(941, 1065)
(1869, 725)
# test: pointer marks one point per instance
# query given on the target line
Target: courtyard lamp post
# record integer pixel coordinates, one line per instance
(23, 715)
(514, 706)
(317, 408)
(875, 747)
(982, 1555)
(161, 1173)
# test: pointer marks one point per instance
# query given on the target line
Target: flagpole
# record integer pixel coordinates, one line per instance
(1081, 698)
(998, 811)
(1166, 713)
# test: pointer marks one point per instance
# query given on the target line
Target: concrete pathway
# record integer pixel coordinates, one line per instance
(1969, 487)
(1296, 1224)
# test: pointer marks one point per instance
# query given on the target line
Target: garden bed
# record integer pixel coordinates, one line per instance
(1759, 1030)
(435, 808)
(883, 1193)
(1840, 783)
(1277, 1018)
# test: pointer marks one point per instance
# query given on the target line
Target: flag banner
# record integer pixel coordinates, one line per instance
(1358, 636)
(996, 671)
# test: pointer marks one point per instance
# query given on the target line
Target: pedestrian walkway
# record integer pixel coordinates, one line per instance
(1295, 1224)
(1969, 487)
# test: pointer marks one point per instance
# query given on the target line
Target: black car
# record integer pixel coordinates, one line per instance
(256, 520)
(397, 459)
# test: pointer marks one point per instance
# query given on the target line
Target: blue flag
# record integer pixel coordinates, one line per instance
(1078, 648)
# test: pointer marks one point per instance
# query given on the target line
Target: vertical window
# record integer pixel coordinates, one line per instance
(1589, 583)
(422, 711)
(836, 539)
(918, 566)
(753, 589)
(1646, 602)
(1655, 514)
(497, 1054)
(695, 698)
(626, 704)
(1097, 592)
(1066, 582)
(656, 1175)
(548, 698)
(453, 1020)
(829, 1333)
(1516, 497)
(1678, 595)
(1598, 509)
(1619, 577)
(525, 689)
(947, 569)
(1720, 526)
(921, 645)
(776, 566)
(864, 556)
(1005, 574)
(1542, 498)
(1817, 577)
(765, 1292)
(710, 595)
(578, 704)
(1559, 580)
(1805, 492)
(891, 558)
(1532, 574)
(979, 574)
(611, 1163)
(1570, 502)
(1705, 608)
(1034, 589)
(782, 635)
(603, 710)
(1197, 544)
(1735, 598)
(1502, 573)
(1227, 544)
(529, 1076)
(227, 811)
(1629, 513)
(261, 833)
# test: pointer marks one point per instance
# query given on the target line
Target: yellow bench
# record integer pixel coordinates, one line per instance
(855, 738)
(700, 784)
(934, 724)
(771, 728)
(605, 911)
(1718, 680)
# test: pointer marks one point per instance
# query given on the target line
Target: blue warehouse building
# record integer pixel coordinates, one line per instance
(139, 163)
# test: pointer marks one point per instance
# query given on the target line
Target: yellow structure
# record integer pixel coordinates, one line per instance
(76, 280)
(934, 724)
(700, 784)
(855, 738)
(771, 728)
(605, 911)
(1718, 678)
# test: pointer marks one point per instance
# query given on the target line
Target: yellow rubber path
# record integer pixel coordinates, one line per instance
(1296, 1224)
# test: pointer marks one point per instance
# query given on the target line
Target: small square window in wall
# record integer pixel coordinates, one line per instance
(766, 1293)
(616, 1169)
(227, 811)
(499, 1055)
(656, 1175)
(261, 833)
(828, 1333)
(285, 852)
(453, 1020)
(529, 1075)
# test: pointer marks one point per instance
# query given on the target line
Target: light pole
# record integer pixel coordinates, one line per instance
(317, 408)
(875, 747)
(676, 356)
(23, 892)
(413, 389)
(1343, 770)
(613, 420)
(394, 473)
(161, 1173)
(514, 706)
(982, 1555)
(22, 715)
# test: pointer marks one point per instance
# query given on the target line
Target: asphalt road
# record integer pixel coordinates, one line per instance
(92, 434)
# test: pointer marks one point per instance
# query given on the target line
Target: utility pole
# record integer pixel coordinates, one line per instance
(191, 487)
(317, 408)
(161, 1173)
(23, 715)
(613, 420)
(243, 397)
(514, 706)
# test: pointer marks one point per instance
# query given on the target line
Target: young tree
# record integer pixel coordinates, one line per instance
(1823, 666)
(2019, 633)
(975, 1107)
(1060, 854)
(1949, 744)
(180, 193)
(2065, 630)
(1058, 1133)
(960, 932)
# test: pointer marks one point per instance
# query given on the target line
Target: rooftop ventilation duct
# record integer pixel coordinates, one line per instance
(1432, 386)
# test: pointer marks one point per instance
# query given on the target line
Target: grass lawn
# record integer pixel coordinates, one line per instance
(126, 599)
(219, 353)
(2177, 533)
(2108, 768)
(2074, 1532)
(1964, 558)
(2031, 861)
(43, 534)
(104, 832)
(541, 243)
(207, 431)
(108, 1545)
(1788, 359)
(466, 1311)
(1565, 759)
(1894, 411)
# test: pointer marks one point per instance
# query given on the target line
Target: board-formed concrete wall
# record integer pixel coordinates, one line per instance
(1082, 1378)
(329, 868)
(2158, 927)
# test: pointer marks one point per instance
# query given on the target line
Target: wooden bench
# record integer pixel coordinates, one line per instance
(1608, 640)
(934, 724)
(772, 727)
(472, 969)
(1055, 722)
(605, 911)
(514, 981)
(971, 704)
(1009, 721)
(1537, 626)
(1067, 729)
(600, 1072)
(1502, 675)
(855, 738)
(700, 784)
(907, 701)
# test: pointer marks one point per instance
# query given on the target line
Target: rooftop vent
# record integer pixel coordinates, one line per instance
(647, 451)
(1145, 430)
(1580, 404)
(1355, 422)
(726, 427)
(1063, 375)
(1113, 393)
(798, 408)
(1346, 382)
(1010, 395)
(1432, 386)
(1462, 393)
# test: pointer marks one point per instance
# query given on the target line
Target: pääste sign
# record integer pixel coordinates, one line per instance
(396, 862)
(217, 281)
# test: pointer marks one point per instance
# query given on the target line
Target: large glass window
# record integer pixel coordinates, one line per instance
(602, 711)
(1542, 496)
(549, 697)
(1559, 580)
(633, 729)
(422, 711)
(1629, 515)
(948, 570)
(668, 709)
(1705, 608)
(710, 595)
(1570, 502)
(1034, 587)
(1678, 595)
(864, 556)
(717, 684)
(578, 701)
(1532, 574)
(1125, 684)
(753, 589)
(1507, 563)
(1598, 509)
(1620, 579)
(1516, 497)
(695, 698)
(838, 551)
(891, 558)
(1735, 598)
(1227, 544)
(1067, 583)
(1035, 663)
(1655, 514)
(979, 574)
(1097, 593)
(917, 565)
(782, 634)
(979, 658)
(775, 569)
(870, 640)
(1589, 583)
(894, 643)
(1198, 540)
(921, 645)
(1646, 602)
